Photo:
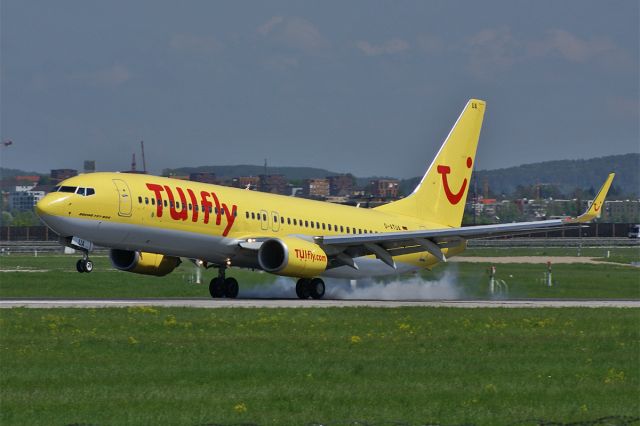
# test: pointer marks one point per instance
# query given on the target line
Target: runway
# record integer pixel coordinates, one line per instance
(296, 303)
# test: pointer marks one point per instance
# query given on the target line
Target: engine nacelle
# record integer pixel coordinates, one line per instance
(292, 257)
(143, 263)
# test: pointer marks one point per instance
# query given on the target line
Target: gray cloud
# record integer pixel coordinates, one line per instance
(389, 47)
(293, 32)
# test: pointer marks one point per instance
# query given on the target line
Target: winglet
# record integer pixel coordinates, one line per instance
(595, 210)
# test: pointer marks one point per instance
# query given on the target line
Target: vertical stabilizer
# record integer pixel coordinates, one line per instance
(441, 194)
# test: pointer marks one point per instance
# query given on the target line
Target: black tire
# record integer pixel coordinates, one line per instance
(80, 266)
(231, 288)
(316, 288)
(216, 288)
(302, 288)
(88, 265)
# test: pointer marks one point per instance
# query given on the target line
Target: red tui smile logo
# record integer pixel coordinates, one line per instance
(454, 198)
(597, 206)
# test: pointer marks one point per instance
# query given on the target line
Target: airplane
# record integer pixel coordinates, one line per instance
(149, 223)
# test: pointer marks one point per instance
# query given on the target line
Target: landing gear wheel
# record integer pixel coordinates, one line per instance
(216, 287)
(84, 265)
(316, 288)
(302, 288)
(231, 288)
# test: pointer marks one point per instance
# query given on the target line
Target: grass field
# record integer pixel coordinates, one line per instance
(331, 366)
(55, 276)
(624, 255)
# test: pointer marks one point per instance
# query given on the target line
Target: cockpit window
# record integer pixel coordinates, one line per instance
(71, 189)
(80, 191)
(90, 191)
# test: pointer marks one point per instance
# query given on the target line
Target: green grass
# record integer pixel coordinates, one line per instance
(60, 280)
(293, 367)
(624, 255)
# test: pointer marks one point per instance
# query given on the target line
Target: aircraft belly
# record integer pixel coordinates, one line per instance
(124, 236)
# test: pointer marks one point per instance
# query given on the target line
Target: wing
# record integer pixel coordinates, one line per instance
(343, 249)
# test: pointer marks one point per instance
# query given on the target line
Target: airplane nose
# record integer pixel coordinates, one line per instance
(49, 205)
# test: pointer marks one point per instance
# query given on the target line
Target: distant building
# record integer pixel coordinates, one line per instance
(315, 188)
(622, 211)
(246, 182)
(204, 177)
(341, 185)
(384, 188)
(275, 184)
(24, 198)
(89, 166)
(58, 175)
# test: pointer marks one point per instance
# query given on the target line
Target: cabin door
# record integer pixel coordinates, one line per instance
(124, 197)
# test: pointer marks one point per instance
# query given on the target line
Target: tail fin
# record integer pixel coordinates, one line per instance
(440, 197)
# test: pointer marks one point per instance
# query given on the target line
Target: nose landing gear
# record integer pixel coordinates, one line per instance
(84, 264)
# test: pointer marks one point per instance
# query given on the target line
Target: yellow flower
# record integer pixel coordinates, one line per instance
(133, 340)
(240, 408)
(356, 339)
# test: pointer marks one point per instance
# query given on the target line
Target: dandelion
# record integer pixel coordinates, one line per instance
(490, 388)
(404, 326)
(240, 408)
(614, 376)
(170, 321)
(356, 339)
(133, 340)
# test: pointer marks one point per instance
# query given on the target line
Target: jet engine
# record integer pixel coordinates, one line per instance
(292, 257)
(143, 263)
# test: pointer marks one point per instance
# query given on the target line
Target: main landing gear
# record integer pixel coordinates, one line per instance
(310, 287)
(221, 286)
(84, 264)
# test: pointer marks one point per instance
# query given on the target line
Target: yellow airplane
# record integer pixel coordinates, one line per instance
(150, 222)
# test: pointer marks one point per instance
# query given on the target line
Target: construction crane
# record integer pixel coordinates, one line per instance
(144, 163)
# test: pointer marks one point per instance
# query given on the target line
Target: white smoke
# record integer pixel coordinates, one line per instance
(412, 287)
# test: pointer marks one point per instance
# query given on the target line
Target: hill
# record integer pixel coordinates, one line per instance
(567, 175)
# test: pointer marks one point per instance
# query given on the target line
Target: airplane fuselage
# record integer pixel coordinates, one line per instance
(207, 222)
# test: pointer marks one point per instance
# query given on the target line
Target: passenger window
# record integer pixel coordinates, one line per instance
(247, 214)
(312, 224)
(295, 222)
(190, 207)
(146, 200)
(323, 226)
(282, 219)
(288, 221)
(341, 228)
(210, 209)
(264, 217)
(348, 232)
(306, 223)
(140, 200)
(153, 201)
(165, 203)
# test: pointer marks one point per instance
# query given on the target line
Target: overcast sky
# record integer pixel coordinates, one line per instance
(370, 87)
